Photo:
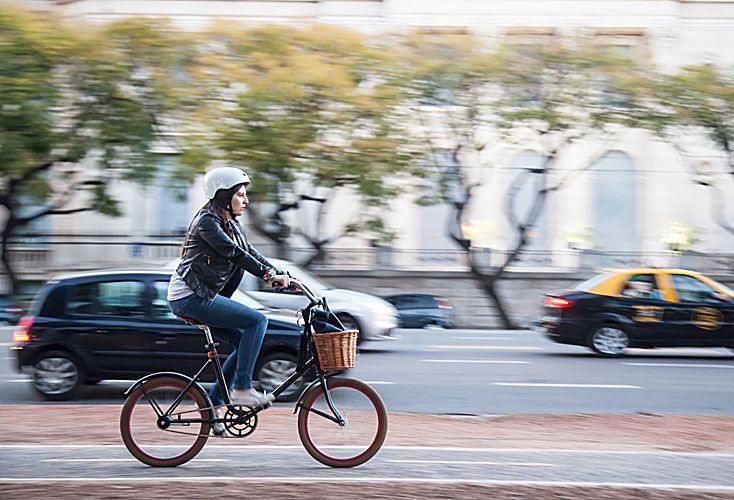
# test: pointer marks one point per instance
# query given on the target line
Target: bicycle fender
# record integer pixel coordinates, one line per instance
(308, 389)
(179, 376)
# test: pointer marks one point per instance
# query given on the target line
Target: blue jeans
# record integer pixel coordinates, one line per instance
(233, 323)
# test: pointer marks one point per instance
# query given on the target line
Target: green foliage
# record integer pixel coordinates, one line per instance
(70, 96)
(302, 105)
(559, 87)
(701, 97)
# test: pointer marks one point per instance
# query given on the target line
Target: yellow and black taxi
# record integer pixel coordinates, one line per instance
(645, 308)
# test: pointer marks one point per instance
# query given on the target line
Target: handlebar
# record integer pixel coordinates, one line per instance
(298, 285)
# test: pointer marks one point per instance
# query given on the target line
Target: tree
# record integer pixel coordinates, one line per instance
(696, 106)
(77, 111)
(308, 113)
(548, 96)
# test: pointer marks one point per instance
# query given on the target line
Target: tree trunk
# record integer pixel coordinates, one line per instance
(5, 255)
(489, 282)
(317, 257)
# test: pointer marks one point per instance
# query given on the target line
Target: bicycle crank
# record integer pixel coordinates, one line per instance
(240, 421)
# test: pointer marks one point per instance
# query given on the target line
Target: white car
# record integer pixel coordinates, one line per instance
(374, 317)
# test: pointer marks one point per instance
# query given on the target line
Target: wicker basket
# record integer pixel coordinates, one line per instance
(336, 350)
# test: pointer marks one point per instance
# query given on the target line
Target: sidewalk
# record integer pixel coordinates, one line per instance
(99, 424)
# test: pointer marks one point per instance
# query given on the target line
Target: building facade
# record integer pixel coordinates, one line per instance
(638, 188)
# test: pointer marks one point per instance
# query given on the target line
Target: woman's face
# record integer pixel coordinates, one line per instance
(239, 201)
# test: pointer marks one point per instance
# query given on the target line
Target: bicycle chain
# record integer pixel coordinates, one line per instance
(240, 423)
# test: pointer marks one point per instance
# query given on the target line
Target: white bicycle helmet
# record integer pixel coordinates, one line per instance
(223, 178)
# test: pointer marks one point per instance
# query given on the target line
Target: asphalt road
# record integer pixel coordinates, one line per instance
(481, 372)
(36, 463)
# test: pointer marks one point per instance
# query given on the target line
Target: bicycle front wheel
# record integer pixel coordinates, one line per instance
(165, 442)
(346, 445)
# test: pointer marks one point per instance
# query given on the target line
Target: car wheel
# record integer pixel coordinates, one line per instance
(609, 340)
(274, 370)
(56, 375)
(350, 323)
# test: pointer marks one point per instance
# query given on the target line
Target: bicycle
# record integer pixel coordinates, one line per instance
(167, 417)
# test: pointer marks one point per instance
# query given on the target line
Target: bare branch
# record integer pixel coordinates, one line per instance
(29, 174)
(573, 174)
(22, 221)
(718, 209)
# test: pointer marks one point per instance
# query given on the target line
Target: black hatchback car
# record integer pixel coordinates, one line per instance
(116, 325)
(416, 310)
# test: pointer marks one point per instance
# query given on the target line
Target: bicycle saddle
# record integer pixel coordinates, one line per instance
(190, 321)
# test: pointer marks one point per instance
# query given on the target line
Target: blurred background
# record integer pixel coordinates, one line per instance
(479, 152)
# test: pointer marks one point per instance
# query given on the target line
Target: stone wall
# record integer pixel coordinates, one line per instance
(522, 291)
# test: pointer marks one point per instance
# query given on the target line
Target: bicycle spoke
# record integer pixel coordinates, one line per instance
(364, 422)
(146, 424)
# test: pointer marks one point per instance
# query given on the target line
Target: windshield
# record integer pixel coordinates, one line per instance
(590, 283)
(309, 279)
(724, 288)
(245, 299)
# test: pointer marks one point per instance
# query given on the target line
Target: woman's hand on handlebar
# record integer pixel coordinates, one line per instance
(280, 281)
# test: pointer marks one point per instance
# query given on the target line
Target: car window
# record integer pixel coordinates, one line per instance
(160, 309)
(111, 298)
(425, 302)
(690, 289)
(312, 281)
(409, 302)
(642, 286)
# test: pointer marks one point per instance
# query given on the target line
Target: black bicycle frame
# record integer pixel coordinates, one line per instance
(213, 358)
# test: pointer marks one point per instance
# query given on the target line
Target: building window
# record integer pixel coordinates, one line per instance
(173, 213)
(521, 166)
(615, 203)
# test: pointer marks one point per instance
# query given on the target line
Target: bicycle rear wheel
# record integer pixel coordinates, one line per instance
(353, 443)
(168, 445)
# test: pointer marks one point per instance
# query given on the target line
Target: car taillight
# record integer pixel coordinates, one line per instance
(443, 304)
(23, 332)
(558, 302)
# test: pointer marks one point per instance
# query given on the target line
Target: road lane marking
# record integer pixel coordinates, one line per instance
(483, 338)
(276, 448)
(591, 386)
(123, 460)
(471, 462)
(680, 350)
(490, 361)
(680, 365)
(486, 347)
(300, 480)
(5, 344)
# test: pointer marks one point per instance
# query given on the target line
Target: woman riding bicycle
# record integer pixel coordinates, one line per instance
(214, 256)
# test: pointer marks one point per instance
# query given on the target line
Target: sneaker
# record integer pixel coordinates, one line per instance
(218, 427)
(251, 398)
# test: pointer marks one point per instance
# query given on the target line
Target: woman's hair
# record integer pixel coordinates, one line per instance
(221, 204)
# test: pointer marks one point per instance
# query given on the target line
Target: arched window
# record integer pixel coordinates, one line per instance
(173, 213)
(539, 237)
(615, 203)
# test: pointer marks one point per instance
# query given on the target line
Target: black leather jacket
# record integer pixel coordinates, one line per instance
(213, 263)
